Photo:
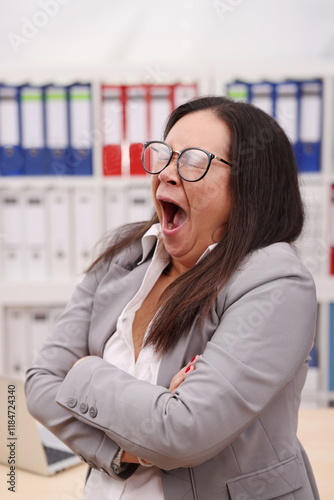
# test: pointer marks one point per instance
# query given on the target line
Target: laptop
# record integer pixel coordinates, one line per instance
(24, 442)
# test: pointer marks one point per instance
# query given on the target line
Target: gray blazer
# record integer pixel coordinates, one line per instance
(229, 431)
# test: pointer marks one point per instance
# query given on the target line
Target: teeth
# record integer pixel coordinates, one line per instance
(170, 225)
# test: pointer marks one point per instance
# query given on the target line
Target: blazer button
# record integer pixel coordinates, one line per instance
(72, 402)
(104, 471)
(93, 411)
(83, 408)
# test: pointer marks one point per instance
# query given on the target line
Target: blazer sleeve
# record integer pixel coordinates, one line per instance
(67, 343)
(262, 340)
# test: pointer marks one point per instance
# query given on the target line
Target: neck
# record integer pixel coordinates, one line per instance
(175, 269)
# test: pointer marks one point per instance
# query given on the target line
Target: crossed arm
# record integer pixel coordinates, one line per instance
(245, 367)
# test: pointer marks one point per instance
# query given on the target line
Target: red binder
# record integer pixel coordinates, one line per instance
(136, 167)
(112, 159)
(113, 124)
(332, 231)
(133, 114)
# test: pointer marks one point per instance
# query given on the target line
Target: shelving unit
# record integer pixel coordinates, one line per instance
(55, 293)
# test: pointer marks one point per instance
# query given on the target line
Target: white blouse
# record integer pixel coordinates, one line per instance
(144, 483)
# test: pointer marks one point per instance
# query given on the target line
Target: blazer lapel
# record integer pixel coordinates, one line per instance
(187, 347)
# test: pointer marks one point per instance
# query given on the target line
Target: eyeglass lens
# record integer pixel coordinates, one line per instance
(192, 163)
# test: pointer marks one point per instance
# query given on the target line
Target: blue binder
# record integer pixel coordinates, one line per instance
(56, 130)
(262, 95)
(80, 158)
(311, 116)
(314, 357)
(287, 110)
(331, 349)
(238, 90)
(33, 129)
(11, 154)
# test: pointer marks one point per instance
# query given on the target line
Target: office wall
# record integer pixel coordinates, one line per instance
(176, 33)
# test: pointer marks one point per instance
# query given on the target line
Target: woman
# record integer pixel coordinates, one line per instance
(177, 367)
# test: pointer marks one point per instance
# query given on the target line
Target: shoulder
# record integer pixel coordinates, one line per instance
(277, 266)
(279, 258)
(126, 258)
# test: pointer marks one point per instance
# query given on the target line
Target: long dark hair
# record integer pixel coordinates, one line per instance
(266, 208)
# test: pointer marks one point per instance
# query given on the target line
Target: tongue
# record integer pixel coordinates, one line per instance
(179, 217)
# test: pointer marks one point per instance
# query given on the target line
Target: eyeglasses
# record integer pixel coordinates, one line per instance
(192, 163)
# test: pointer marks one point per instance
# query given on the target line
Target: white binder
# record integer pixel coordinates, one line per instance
(80, 116)
(310, 112)
(9, 117)
(140, 204)
(58, 205)
(115, 207)
(85, 229)
(184, 92)
(12, 236)
(262, 96)
(313, 248)
(161, 107)
(35, 231)
(39, 324)
(56, 129)
(112, 114)
(81, 128)
(238, 91)
(32, 120)
(287, 108)
(17, 342)
(32, 117)
(136, 114)
(56, 117)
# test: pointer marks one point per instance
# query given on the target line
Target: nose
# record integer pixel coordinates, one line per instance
(169, 174)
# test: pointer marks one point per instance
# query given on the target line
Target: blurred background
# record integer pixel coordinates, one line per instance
(83, 83)
(196, 35)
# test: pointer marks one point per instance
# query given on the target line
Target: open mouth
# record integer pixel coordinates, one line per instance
(174, 216)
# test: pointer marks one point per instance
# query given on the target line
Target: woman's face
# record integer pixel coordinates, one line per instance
(204, 206)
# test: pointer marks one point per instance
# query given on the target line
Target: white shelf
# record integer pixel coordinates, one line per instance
(56, 294)
(32, 294)
(23, 182)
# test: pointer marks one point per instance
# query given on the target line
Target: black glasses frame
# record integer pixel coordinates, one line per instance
(210, 156)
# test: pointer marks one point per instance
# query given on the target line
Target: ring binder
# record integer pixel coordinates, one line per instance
(11, 154)
(33, 131)
(56, 129)
(79, 159)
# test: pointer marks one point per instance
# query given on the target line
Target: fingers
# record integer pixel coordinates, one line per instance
(191, 362)
(182, 374)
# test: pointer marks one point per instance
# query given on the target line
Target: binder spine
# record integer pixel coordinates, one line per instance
(11, 154)
(80, 157)
(56, 130)
(33, 129)
(331, 349)
(310, 131)
(113, 128)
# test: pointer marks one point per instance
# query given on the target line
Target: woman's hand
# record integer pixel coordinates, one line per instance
(182, 374)
(81, 359)
(128, 458)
